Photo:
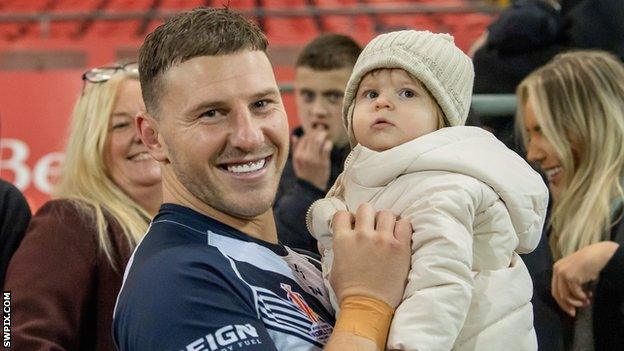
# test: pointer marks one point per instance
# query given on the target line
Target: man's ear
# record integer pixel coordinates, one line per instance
(147, 127)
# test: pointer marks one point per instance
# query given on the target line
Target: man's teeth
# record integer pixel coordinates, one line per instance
(551, 173)
(247, 167)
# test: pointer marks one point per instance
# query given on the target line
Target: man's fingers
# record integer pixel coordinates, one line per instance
(342, 221)
(327, 148)
(314, 142)
(306, 143)
(365, 218)
(385, 221)
(403, 230)
(319, 137)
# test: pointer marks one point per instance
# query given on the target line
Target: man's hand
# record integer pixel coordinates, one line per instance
(572, 272)
(311, 157)
(371, 255)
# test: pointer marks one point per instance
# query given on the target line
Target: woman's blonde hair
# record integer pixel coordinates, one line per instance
(85, 177)
(578, 100)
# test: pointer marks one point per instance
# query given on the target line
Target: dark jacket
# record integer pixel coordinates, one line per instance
(63, 288)
(554, 327)
(524, 37)
(609, 299)
(14, 218)
(294, 197)
(594, 24)
(529, 33)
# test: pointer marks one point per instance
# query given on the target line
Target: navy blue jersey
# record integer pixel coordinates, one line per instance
(197, 284)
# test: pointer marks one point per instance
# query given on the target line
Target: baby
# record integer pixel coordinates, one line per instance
(473, 204)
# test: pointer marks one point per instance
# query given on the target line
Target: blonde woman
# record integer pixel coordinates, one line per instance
(571, 114)
(66, 274)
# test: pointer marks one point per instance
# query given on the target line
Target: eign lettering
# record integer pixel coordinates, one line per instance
(229, 337)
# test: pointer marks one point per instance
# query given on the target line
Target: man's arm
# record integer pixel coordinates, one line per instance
(368, 249)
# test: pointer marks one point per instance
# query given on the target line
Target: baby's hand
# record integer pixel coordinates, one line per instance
(320, 217)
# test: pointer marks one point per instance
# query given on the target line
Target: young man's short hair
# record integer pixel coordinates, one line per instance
(329, 51)
(199, 32)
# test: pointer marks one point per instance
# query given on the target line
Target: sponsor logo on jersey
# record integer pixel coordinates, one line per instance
(229, 337)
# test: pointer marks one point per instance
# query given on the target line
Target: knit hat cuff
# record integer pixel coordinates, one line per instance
(399, 58)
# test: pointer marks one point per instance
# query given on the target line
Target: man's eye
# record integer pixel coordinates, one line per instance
(334, 98)
(307, 96)
(209, 114)
(260, 104)
(407, 93)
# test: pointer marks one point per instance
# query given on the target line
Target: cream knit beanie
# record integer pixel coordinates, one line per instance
(431, 58)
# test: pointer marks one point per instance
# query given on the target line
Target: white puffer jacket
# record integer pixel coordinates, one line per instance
(473, 204)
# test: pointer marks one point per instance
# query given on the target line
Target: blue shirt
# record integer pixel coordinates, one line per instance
(194, 283)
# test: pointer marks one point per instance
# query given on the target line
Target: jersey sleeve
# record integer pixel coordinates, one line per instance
(178, 300)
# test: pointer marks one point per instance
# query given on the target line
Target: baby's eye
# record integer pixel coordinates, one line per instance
(407, 93)
(370, 94)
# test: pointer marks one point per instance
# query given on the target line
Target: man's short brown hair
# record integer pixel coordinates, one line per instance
(329, 51)
(199, 32)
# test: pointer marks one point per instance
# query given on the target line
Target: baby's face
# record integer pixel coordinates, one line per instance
(392, 108)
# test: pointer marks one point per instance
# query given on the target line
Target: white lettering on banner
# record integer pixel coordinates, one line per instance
(16, 164)
(45, 169)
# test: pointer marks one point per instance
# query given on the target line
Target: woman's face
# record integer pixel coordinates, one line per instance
(542, 152)
(127, 160)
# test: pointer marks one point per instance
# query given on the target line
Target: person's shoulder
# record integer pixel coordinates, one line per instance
(69, 213)
(13, 202)
(176, 278)
(175, 254)
(173, 244)
(10, 191)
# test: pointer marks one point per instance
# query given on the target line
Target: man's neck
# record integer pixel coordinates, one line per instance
(260, 227)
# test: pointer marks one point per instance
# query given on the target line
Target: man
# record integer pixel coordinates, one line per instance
(320, 144)
(14, 218)
(210, 274)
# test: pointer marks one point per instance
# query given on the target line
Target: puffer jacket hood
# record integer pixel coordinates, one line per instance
(470, 151)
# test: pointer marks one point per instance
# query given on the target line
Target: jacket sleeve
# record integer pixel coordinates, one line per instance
(293, 199)
(440, 281)
(613, 273)
(50, 279)
(14, 218)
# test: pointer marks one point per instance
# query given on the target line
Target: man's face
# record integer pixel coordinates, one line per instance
(224, 130)
(319, 100)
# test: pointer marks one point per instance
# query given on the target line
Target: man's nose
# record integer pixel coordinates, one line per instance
(247, 133)
(318, 107)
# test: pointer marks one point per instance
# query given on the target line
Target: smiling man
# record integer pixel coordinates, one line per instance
(320, 145)
(210, 274)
